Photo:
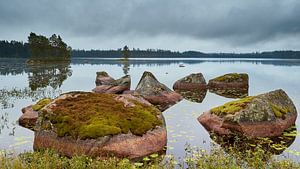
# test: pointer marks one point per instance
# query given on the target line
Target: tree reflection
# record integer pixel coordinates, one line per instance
(8, 96)
(43, 73)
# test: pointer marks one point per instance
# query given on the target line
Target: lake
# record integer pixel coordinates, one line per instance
(23, 84)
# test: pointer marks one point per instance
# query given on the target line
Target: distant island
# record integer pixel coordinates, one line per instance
(55, 47)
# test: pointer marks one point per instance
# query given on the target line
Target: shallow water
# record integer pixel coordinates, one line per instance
(22, 84)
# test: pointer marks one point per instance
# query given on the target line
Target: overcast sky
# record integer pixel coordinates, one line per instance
(180, 25)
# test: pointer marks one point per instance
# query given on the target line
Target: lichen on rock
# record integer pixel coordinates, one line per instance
(232, 77)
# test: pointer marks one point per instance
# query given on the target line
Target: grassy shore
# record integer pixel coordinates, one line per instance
(194, 158)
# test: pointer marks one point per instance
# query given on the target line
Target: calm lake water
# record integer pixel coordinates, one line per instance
(22, 84)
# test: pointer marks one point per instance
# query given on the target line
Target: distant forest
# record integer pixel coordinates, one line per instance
(14, 49)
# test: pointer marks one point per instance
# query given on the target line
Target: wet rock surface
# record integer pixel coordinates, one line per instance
(155, 92)
(264, 115)
(100, 125)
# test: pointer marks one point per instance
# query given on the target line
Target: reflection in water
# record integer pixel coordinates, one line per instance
(273, 145)
(47, 73)
(125, 63)
(8, 96)
(231, 93)
(193, 96)
(3, 121)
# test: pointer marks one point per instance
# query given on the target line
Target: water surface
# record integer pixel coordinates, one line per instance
(23, 84)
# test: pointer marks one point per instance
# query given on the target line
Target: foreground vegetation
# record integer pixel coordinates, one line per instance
(195, 158)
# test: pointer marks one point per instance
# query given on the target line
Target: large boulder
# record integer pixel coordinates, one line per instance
(100, 125)
(229, 81)
(30, 113)
(264, 115)
(106, 84)
(193, 95)
(193, 81)
(155, 92)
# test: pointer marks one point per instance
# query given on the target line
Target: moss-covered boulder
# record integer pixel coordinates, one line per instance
(229, 81)
(155, 92)
(100, 125)
(194, 81)
(106, 84)
(30, 113)
(264, 115)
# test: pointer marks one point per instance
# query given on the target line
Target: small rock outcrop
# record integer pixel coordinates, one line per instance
(231, 80)
(103, 79)
(264, 115)
(106, 84)
(100, 125)
(30, 114)
(155, 92)
(193, 81)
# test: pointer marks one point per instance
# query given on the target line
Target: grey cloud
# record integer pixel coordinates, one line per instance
(235, 23)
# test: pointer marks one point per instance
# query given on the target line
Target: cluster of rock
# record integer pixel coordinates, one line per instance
(114, 120)
(148, 87)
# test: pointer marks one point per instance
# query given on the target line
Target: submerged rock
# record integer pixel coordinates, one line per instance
(193, 95)
(264, 115)
(273, 145)
(231, 93)
(100, 125)
(193, 81)
(106, 84)
(155, 92)
(231, 80)
(30, 114)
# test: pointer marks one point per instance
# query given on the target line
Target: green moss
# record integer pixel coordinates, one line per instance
(93, 115)
(279, 111)
(232, 107)
(40, 104)
(232, 77)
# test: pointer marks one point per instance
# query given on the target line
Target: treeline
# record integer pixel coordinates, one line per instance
(14, 49)
(38, 46)
(150, 53)
(54, 47)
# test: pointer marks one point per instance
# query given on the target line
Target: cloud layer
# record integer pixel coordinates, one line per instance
(206, 25)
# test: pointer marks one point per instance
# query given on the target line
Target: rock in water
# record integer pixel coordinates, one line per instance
(156, 93)
(192, 87)
(230, 81)
(103, 79)
(30, 114)
(106, 84)
(191, 82)
(264, 115)
(100, 125)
